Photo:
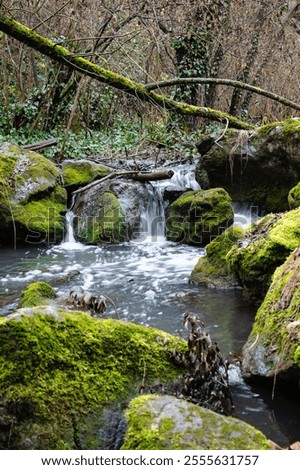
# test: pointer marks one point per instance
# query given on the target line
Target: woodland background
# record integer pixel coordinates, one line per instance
(256, 42)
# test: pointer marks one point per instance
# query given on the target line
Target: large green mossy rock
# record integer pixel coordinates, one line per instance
(32, 203)
(167, 423)
(212, 269)
(294, 197)
(273, 347)
(66, 377)
(197, 217)
(263, 248)
(77, 173)
(99, 218)
(258, 166)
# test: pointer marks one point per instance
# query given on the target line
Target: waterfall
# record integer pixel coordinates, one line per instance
(153, 211)
(245, 214)
(69, 242)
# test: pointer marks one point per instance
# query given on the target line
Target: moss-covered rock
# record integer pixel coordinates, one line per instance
(273, 347)
(262, 249)
(32, 202)
(167, 423)
(294, 197)
(197, 217)
(212, 269)
(37, 293)
(62, 374)
(77, 173)
(258, 166)
(100, 219)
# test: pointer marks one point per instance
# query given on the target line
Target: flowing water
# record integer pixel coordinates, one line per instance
(147, 279)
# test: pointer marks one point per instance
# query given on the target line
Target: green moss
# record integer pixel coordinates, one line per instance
(263, 249)
(37, 293)
(82, 171)
(31, 201)
(294, 197)
(107, 226)
(187, 427)
(61, 369)
(198, 216)
(290, 128)
(212, 269)
(277, 322)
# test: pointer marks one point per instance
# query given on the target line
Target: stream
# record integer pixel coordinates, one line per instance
(147, 279)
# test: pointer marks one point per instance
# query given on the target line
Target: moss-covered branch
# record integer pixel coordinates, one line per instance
(222, 81)
(61, 54)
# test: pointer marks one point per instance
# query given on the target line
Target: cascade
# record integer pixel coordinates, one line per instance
(153, 211)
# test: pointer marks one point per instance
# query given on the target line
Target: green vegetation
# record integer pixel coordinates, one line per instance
(58, 371)
(294, 197)
(212, 269)
(198, 216)
(265, 247)
(276, 329)
(36, 294)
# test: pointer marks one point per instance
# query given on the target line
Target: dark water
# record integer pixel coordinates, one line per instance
(148, 281)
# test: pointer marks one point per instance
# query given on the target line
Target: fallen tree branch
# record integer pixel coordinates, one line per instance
(60, 54)
(40, 145)
(222, 81)
(135, 175)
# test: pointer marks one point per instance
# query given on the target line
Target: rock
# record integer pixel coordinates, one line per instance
(212, 269)
(77, 173)
(37, 293)
(294, 197)
(254, 258)
(197, 217)
(167, 423)
(31, 200)
(110, 212)
(258, 166)
(62, 374)
(273, 346)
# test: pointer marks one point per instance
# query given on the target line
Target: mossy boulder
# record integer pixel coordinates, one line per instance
(273, 346)
(294, 197)
(212, 269)
(258, 166)
(65, 377)
(263, 248)
(197, 217)
(37, 293)
(32, 202)
(77, 173)
(167, 423)
(110, 212)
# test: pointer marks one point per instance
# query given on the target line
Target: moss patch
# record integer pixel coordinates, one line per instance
(31, 200)
(157, 423)
(58, 371)
(212, 269)
(80, 172)
(265, 247)
(198, 216)
(294, 197)
(276, 330)
(37, 293)
(107, 226)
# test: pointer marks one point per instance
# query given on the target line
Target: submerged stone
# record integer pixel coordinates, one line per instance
(37, 293)
(167, 423)
(197, 217)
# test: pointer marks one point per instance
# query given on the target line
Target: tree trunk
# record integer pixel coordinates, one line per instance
(84, 66)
